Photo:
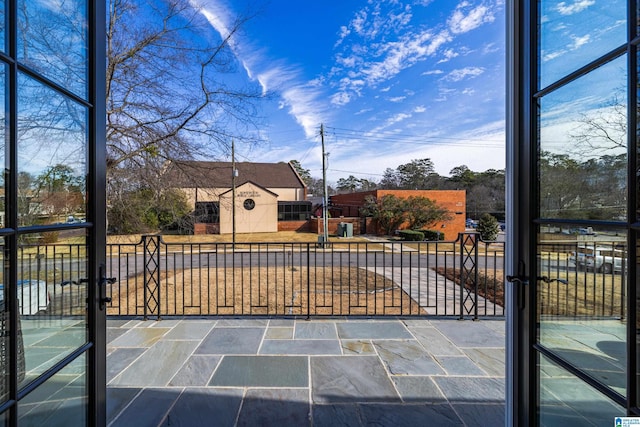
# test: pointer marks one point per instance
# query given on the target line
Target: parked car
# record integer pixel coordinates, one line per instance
(584, 231)
(598, 258)
(33, 296)
(470, 223)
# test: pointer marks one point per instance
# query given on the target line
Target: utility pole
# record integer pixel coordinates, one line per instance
(234, 174)
(325, 209)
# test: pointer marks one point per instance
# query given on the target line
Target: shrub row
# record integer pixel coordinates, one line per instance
(432, 235)
(411, 235)
(420, 235)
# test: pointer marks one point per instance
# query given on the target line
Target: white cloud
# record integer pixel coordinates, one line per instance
(397, 99)
(576, 7)
(419, 109)
(462, 73)
(344, 32)
(459, 22)
(578, 42)
(348, 62)
(552, 55)
(217, 15)
(448, 54)
(398, 118)
(403, 54)
(385, 89)
(468, 91)
(443, 94)
(340, 98)
(302, 100)
(490, 48)
(432, 72)
(379, 56)
(480, 149)
(401, 19)
(359, 21)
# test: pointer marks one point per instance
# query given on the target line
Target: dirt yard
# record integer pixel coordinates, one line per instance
(265, 291)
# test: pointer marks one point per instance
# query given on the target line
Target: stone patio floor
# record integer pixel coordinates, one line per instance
(294, 372)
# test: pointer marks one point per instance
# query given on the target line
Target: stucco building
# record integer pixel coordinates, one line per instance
(265, 194)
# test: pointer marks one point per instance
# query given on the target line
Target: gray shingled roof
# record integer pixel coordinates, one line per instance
(191, 174)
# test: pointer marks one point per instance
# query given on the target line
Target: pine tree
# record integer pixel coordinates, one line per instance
(488, 228)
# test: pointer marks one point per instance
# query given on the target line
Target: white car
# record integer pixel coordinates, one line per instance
(33, 296)
(598, 258)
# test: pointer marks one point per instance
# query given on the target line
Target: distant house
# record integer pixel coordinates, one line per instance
(454, 201)
(268, 196)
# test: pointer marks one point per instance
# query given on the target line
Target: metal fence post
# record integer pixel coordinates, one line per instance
(144, 277)
(308, 282)
(151, 285)
(468, 271)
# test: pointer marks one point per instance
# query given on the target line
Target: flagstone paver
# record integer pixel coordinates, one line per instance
(296, 372)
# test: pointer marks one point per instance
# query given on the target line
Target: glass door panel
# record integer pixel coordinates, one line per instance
(61, 401)
(572, 34)
(52, 293)
(52, 39)
(565, 400)
(52, 155)
(583, 147)
(5, 327)
(569, 146)
(52, 213)
(581, 300)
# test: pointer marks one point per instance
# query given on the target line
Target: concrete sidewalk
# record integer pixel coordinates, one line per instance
(290, 372)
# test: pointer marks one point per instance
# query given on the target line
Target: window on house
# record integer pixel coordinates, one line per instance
(294, 211)
(207, 212)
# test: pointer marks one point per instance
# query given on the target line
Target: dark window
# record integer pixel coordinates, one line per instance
(294, 211)
(207, 212)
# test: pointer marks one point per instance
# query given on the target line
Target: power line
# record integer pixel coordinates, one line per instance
(403, 138)
(356, 173)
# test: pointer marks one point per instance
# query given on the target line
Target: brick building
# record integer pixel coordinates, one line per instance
(349, 205)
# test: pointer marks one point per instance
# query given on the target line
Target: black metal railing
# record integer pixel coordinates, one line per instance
(156, 278)
(461, 279)
(583, 279)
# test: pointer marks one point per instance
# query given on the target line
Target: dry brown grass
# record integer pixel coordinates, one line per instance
(585, 294)
(442, 247)
(490, 286)
(256, 242)
(267, 291)
(281, 236)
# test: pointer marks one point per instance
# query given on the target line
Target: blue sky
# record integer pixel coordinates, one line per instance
(390, 80)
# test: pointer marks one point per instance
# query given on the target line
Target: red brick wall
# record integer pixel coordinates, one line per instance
(204, 228)
(293, 225)
(452, 200)
(316, 225)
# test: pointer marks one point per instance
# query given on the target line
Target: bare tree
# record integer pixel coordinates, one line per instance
(172, 89)
(602, 130)
(172, 94)
(166, 91)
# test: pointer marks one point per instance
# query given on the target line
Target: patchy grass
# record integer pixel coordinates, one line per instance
(490, 283)
(258, 242)
(267, 291)
(585, 294)
(281, 236)
(491, 250)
